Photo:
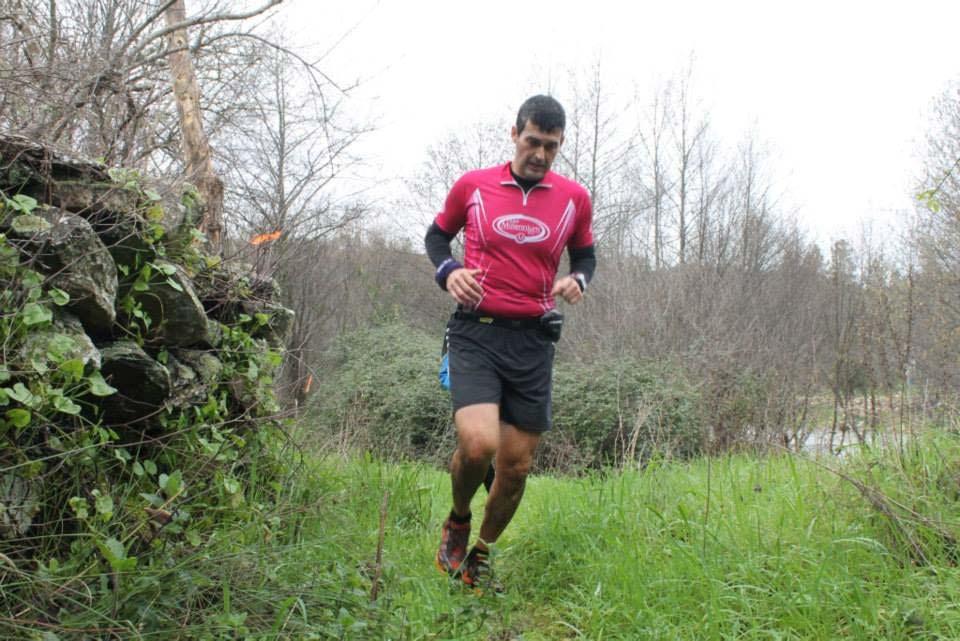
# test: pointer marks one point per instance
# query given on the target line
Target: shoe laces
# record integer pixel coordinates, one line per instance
(478, 572)
(478, 563)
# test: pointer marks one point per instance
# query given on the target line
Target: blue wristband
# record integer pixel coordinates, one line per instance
(444, 270)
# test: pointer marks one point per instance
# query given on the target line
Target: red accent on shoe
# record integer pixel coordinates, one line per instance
(453, 546)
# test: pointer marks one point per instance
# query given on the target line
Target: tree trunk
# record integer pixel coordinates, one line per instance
(196, 148)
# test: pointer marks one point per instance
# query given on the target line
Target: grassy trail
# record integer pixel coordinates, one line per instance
(778, 549)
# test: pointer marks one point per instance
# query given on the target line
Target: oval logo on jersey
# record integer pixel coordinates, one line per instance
(522, 229)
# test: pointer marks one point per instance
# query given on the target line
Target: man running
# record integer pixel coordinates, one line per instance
(517, 220)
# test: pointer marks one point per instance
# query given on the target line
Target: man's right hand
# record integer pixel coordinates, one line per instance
(463, 286)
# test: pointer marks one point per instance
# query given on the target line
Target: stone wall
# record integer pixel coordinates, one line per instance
(125, 289)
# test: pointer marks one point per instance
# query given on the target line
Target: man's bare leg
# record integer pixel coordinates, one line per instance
(481, 436)
(514, 456)
(478, 437)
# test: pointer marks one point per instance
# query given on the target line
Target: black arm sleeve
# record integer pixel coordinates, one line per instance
(437, 243)
(583, 260)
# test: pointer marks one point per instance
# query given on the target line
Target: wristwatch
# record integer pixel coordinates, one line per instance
(581, 281)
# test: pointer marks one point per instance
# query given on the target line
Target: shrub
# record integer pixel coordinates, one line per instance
(382, 393)
(623, 410)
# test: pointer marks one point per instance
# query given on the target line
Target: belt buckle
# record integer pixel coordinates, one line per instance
(485, 319)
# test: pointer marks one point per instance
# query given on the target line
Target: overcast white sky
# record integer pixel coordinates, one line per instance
(837, 91)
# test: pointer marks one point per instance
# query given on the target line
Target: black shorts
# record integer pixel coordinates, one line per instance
(502, 365)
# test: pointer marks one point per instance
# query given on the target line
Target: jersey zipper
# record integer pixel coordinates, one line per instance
(526, 194)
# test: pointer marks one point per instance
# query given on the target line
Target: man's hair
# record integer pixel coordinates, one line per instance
(543, 111)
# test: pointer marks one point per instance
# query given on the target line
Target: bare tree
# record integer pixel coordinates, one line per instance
(937, 236)
(289, 211)
(198, 157)
(480, 145)
(689, 138)
(597, 151)
(283, 157)
(653, 140)
(846, 372)
(94, 76)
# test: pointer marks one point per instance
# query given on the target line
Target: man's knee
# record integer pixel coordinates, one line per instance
(514, 470)
(478, 433)
(516, 452)
(477, 447)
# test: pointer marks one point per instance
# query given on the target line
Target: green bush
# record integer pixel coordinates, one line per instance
(623, 410)
(382, 392)
(382, 395)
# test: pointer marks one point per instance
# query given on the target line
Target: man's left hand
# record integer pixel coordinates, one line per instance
(568, 288)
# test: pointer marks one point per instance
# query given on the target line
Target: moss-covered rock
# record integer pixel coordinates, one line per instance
(19, 502)
(27, 167)
(65, 248)
(178, 212)
(62, 341)
(214, 335)
(126, 236)
(206, 365)
(143, 385)
(177, 316)
(193, 375)
(86, 198)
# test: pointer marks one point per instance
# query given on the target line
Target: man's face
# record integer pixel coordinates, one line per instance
(536, 150)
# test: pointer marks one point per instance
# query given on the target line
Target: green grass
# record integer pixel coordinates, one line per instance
(784, 550)
(779, 548)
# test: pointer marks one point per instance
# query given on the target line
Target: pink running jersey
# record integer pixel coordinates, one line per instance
(517, 239)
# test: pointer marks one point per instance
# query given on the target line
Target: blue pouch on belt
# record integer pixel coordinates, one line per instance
(444, 374)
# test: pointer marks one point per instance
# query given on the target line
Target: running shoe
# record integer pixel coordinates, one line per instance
(477, 573)
(453, 544)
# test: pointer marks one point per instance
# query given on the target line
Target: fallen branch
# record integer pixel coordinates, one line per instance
(896, 513)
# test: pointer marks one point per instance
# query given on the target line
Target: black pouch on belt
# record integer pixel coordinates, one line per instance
(551, 324)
